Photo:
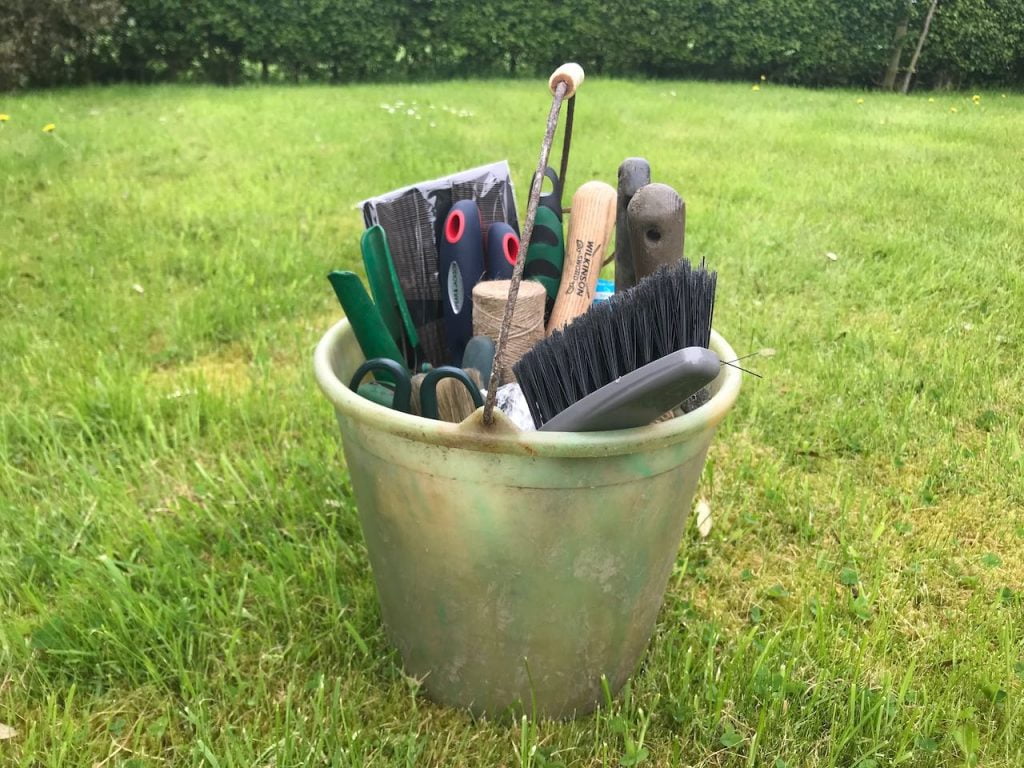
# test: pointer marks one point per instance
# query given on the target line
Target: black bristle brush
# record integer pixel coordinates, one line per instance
(665, 312)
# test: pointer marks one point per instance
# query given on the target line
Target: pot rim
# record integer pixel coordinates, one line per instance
(505, 438)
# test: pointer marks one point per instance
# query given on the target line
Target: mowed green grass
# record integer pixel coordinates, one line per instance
(182, 576)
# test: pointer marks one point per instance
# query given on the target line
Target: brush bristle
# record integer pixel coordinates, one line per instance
(666, 311)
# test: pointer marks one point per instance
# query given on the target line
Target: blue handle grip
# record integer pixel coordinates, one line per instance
(461, 265)
(502, 251)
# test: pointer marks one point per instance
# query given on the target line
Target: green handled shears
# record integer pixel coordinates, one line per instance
(401, 399)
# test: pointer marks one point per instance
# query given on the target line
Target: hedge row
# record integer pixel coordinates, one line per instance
(812, 42)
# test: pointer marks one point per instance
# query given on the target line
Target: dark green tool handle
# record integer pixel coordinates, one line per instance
(373, 247)
(479, 354)
(428, 390)
(553, 199)
(546, 255)
(380, 366)
(377, 240)
(362, 313)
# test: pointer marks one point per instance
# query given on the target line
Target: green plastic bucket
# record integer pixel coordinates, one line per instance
(518, 567)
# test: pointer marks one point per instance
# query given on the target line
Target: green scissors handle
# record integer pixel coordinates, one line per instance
(397, 371)
(428, 392)
(402, 399)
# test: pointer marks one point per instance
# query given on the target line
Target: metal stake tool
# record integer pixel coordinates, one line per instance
(563, 83)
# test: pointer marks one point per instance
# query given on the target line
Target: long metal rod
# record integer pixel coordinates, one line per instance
(570, 108)
(524, 245)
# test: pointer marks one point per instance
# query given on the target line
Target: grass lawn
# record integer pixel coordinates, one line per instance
(182, 576)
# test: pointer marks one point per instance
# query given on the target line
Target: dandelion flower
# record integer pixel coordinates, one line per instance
(4, 118)
(49, 128)
(931, 99)
(976, 98)
(763, 78)
(1004, 95)
(953, 109)
(860, 101)
(756, 88)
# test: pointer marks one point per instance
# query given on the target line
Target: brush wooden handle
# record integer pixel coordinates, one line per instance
(571, 74)
(590, 226)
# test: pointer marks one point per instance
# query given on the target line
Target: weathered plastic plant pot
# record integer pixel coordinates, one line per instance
(518, 567)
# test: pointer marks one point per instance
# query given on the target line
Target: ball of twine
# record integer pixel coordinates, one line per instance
(489, 299)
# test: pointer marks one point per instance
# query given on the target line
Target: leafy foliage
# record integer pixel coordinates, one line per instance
(975, 41)
(826, 42)
(44, 42)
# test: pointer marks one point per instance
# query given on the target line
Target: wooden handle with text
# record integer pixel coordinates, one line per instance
(590, 227)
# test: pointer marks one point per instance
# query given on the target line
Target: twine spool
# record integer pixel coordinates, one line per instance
(527, 327)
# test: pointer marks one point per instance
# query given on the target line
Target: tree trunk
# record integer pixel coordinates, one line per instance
(889, 81)
(264, 70)
(920, 45)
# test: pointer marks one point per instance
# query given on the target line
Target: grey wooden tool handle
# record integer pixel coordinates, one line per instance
(634, 173)
(657, 228)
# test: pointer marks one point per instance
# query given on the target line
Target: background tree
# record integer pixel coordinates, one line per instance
(911, 68)
(46, 42)
(807, 42)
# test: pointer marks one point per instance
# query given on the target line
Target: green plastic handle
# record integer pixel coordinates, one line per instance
(479, 354)
(546, 254)
(384, 266)
(378, 275)
(379, 393)
(428, 390)
(369, 328)
(382, 253)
